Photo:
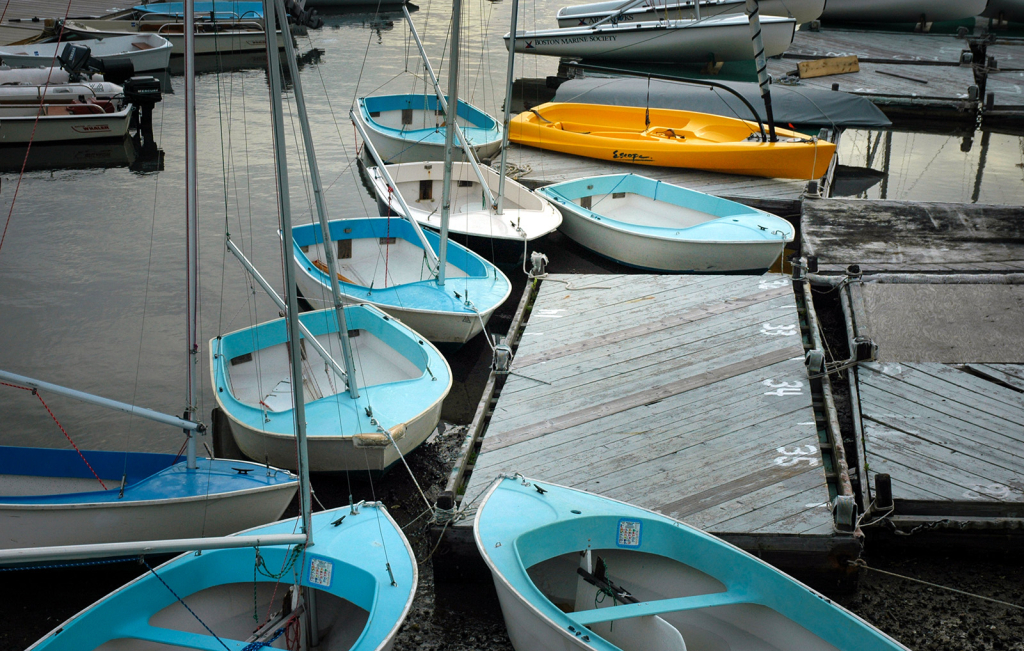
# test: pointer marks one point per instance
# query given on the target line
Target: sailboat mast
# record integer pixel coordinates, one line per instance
(508, 105)
(449, 136)
(292, 314)
(321, 208)
(191, 231)
(753, 13)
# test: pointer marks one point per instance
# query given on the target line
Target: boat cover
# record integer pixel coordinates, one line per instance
(799, 106)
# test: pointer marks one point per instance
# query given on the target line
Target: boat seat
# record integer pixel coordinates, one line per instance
(323, 267)
(142, 45)
(658, 607)
(180, 639)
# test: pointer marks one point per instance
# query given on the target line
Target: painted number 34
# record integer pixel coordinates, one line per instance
(793, 388)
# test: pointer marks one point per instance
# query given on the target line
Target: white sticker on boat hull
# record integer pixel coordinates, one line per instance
(629, 533)
(320, 572)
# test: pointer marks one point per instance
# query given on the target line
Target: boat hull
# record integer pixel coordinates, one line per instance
(145, 51)
(688, 588)
(656, 254)
(205, 43)
(399, 144)
(698, 141)
(343, 433)
(526, 215)
(714, 39)
(57, 128)
(195, 517)
(581, 15)
(361, 569)
(902, 11)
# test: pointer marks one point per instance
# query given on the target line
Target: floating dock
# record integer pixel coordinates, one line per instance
(687, 395)
(940, 411)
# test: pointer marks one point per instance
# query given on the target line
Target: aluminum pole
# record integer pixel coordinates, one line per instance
(191, 228)
(141, 548)
(292, 313)
(449, 133)
(321, 208)
(142, 412)
(508, 104)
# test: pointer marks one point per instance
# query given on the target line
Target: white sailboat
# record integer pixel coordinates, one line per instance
(582, 15)
(351, 590)
(480, 206)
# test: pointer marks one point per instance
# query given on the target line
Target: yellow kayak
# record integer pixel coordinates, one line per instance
(663, 137)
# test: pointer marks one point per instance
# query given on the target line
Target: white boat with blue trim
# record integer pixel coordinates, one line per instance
(402, 379)
(411, 128)
(655, 225)
(361, 573)
(51, 497)
(382, 262)
(574, 570)
(145, 51)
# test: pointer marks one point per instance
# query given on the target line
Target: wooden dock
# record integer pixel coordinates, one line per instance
(687, 395)
(939, 289)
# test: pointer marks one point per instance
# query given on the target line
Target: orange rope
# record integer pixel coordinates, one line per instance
(84, 460)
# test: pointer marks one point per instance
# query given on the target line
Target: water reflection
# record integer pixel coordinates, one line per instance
(955, 166)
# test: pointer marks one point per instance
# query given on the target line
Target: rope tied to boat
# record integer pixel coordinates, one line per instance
(35, 392)
(862, 564)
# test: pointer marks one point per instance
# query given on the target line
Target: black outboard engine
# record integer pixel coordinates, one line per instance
(143, 93)
(77, 59)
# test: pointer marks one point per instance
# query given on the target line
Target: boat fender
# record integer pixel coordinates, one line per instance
(370, 440)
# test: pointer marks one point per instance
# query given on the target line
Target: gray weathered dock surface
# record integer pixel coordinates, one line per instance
(912, 236)
(941, 411)
(544, 167)
(683, 394)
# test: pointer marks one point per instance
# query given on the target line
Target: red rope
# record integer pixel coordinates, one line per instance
(5, 11)
(42, 99)
(84, 460)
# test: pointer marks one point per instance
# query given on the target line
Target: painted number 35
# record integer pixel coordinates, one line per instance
(806, 453)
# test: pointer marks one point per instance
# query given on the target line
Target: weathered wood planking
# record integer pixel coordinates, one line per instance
(683, 394)
(903, 48)
(912, 236)
(943, 434)
(944, 322)
(547, 167)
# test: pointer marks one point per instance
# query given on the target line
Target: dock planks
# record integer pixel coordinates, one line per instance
(683, 394)
(916, 236)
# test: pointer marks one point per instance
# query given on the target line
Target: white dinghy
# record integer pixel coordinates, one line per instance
(211, 37)
(526, 216)
(145, 51)
(574, 570)
(803, 11)
(659, 226)
(723, 38)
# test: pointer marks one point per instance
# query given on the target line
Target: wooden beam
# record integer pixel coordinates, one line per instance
(828, 66)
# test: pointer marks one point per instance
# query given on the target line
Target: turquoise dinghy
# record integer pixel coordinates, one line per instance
(51, 497)
(402, 381)
(225, 9)
(574, 570)
(659, 226)
(410, 128)
(382, 262)
(361, 564)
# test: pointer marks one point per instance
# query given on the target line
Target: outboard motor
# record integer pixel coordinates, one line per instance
(143, 93)
(77, 60)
